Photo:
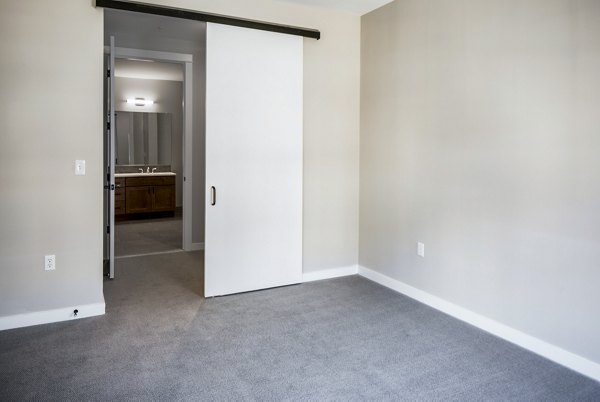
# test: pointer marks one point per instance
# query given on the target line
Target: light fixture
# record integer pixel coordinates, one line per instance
(140, 101)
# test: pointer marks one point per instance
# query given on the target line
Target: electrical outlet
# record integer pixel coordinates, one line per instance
(50, 262)
(421, 249)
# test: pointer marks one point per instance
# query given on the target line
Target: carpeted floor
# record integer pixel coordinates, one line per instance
(342, 339)
(136, 237)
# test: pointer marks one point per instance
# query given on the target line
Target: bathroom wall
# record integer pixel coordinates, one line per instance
(168, 97)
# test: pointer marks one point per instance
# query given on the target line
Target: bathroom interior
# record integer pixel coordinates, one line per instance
(148, 169)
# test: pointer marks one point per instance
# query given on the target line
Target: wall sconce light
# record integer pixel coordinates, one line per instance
(140, 102)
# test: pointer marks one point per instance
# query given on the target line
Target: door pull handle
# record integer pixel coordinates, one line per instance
(213, 195)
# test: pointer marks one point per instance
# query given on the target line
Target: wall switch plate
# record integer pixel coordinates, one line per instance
(421, 249)
(50, 262)
(79, 168)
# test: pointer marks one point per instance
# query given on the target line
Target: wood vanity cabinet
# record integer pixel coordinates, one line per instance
(139, 199)
(147, 194)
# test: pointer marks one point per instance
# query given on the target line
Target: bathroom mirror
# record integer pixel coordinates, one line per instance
(143, 138)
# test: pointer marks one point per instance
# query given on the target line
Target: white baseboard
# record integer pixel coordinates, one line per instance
(329, 273)
(196, 247)
(48, 316)
(535, 345)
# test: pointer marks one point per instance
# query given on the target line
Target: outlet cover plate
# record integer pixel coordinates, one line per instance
(50, 262)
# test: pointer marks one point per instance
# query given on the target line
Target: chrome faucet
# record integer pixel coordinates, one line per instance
(153, 170)
(141, 170)
(148, 169)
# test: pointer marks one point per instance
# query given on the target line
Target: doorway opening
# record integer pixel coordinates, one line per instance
(153, 204)
(149, 128)
(250, 85)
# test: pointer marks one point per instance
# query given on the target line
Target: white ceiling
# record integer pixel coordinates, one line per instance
(148, 70)
(359, 7)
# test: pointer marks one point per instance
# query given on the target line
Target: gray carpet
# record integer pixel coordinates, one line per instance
(137, 237)
(342, 339)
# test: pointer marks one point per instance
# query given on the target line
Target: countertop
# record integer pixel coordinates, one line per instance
(138, 174)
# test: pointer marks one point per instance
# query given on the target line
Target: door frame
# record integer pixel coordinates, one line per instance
(186, 60)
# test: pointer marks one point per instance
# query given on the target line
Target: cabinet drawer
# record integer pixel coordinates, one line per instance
(119, 182)
(150, 181)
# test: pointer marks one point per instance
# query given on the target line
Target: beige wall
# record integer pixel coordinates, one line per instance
(331, 122)
(480, 137)
(51, 114)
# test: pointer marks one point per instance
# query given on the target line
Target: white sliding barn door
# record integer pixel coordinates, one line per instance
(253, 234)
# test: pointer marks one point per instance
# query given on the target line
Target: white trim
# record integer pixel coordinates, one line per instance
(196, 247)
(329, 273)
(187, 144)
(533, 344)
(124, 52)
(49, 316)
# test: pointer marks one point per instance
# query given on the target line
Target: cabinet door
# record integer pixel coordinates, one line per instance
(138, 199)
(164, 198)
